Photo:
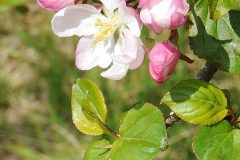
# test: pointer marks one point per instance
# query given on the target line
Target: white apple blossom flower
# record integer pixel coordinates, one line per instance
(109, 38)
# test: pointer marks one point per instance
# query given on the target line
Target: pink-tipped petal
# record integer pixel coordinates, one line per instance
(55, 5)
(163, 14)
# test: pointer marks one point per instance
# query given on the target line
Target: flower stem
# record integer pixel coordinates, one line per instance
(186, 58)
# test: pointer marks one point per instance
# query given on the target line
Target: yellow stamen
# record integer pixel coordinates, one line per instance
(105, 33)
(101, 23)
(107, 30)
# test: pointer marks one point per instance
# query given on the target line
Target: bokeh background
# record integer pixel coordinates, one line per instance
(36, 75)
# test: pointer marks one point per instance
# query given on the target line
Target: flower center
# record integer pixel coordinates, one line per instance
(107, 28)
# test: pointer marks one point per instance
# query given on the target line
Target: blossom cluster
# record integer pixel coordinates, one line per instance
(110, 33)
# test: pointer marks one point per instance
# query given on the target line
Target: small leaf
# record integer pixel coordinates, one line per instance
(97, 151)
(197, 102)
(217, 142)
(88, 107)
(231, 4)
(143, 135)
(218, 8)
(218, 40)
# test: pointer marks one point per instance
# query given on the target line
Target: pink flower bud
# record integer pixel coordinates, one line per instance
(55, 5)
(163, 59)
(163, 14)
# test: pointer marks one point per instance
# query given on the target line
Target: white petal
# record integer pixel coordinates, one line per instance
(163, 19)
(146, 16)
(85, 59)
(104, 50)
(111, 4)
(88, 57)
(126, 49)
(140, 57)
(116, 72)
(75, 20)
(129, 19)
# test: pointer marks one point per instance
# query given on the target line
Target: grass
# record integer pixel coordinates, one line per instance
(36, 76)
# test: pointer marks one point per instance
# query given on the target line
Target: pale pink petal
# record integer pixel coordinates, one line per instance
(129, 19)
(55, 5)
(179, 17)
(142, 3)
(140, 57)
(116, 72)
(163, 19)
(163, 14)
(76, 20)
(126, 48)
(137, 16)
(88, 57)
(146, 18)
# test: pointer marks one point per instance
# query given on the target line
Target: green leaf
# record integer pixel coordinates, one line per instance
(218, 8)
(98, 151)
(217, 142)
(88, 107)
(217, 41)
(143, 135)
(231, 4)
(224, 28)
(197, 102)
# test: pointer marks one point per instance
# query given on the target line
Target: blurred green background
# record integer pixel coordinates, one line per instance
(36, 75)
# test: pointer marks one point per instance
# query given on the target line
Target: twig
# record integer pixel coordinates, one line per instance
(207, 72)
(186, 58)
(171, 120)
(232, 117)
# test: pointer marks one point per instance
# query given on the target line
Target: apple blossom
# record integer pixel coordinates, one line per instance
(163, 59)
(109, 38)
(163, 14)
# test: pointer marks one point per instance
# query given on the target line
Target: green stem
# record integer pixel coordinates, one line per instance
(107, 129)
